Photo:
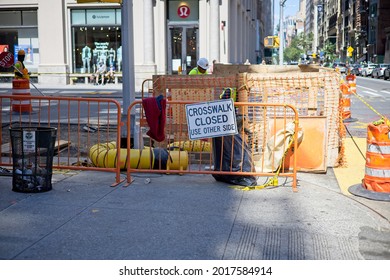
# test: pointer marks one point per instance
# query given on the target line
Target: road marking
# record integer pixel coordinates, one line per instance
(44, 102)
(111, 111)
(364, 87)
(76, 91)
(100, 92)
(372, 93)
(50, 91)
(385, 91)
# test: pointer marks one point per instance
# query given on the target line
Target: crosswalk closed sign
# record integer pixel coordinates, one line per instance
(211, 119)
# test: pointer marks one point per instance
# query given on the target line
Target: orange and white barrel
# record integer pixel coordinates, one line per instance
(377, 173)
(21, 87)
(345, 101)
(351, 80)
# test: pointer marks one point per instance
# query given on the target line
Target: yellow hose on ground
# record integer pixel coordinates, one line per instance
(104, 155)
(191, 146)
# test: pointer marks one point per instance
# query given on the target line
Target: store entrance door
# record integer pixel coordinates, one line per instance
(182, 48)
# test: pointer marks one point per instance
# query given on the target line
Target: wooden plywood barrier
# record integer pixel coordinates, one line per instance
(311, 153)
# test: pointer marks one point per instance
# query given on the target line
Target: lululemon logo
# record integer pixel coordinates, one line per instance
(183, 11)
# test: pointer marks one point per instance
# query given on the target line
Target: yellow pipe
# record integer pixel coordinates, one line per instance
(104, 155)
(191, 146)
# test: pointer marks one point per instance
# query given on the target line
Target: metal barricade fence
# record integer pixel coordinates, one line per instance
(261, 128)
(84, 127)
(148, 86)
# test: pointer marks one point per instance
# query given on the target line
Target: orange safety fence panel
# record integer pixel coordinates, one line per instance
(81, 124)
(177, 154)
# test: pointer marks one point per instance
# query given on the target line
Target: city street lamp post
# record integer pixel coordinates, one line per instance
(281, 47)
(128, 72)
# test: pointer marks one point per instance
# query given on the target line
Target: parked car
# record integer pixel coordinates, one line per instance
(355, 69)
(340, 67)
(362, 68)
(386, 73)
(367, 71)
(378, 71)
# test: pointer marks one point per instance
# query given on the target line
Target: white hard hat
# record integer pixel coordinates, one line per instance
(203, 63)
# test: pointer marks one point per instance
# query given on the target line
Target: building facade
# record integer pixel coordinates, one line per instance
(358, 28)
(62, 36)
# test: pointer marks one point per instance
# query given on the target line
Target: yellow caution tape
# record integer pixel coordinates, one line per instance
(274, 182)
(383, 119)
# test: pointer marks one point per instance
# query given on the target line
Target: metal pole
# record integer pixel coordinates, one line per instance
(29, 81)
(128, 80)
(281, 34)
(214, 31)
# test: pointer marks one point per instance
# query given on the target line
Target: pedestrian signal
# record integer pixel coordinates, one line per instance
(271, 42)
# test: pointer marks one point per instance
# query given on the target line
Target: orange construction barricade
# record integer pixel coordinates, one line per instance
(21, 87)
(351, 80)
(376, 182)
(345, 101)
(377, 176)
(348, 88)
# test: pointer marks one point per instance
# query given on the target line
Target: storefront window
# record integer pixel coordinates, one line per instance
(30, 18)
(96, 44)
(98, 39)
(18, 30)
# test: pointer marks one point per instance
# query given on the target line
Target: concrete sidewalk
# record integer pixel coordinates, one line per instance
(194, 217)
(187, 217)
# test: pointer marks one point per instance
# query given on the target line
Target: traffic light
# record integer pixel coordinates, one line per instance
(271, 42)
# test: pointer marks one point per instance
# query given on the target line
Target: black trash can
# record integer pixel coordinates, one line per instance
(32, 157)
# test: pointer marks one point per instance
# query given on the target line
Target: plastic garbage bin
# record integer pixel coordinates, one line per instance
(32, 157)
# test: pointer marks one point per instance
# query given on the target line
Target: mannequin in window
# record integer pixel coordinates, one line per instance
(103, 56)
(95, 55)
(119, 57)
(86, 58)
(111, 56)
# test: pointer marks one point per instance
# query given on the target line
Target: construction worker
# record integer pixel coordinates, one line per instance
(21, 71)
(201, 68)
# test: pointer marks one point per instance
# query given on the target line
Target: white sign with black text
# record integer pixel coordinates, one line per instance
(29, 141)
(211, 119)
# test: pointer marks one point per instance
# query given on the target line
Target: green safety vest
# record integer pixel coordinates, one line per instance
(195, 71)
